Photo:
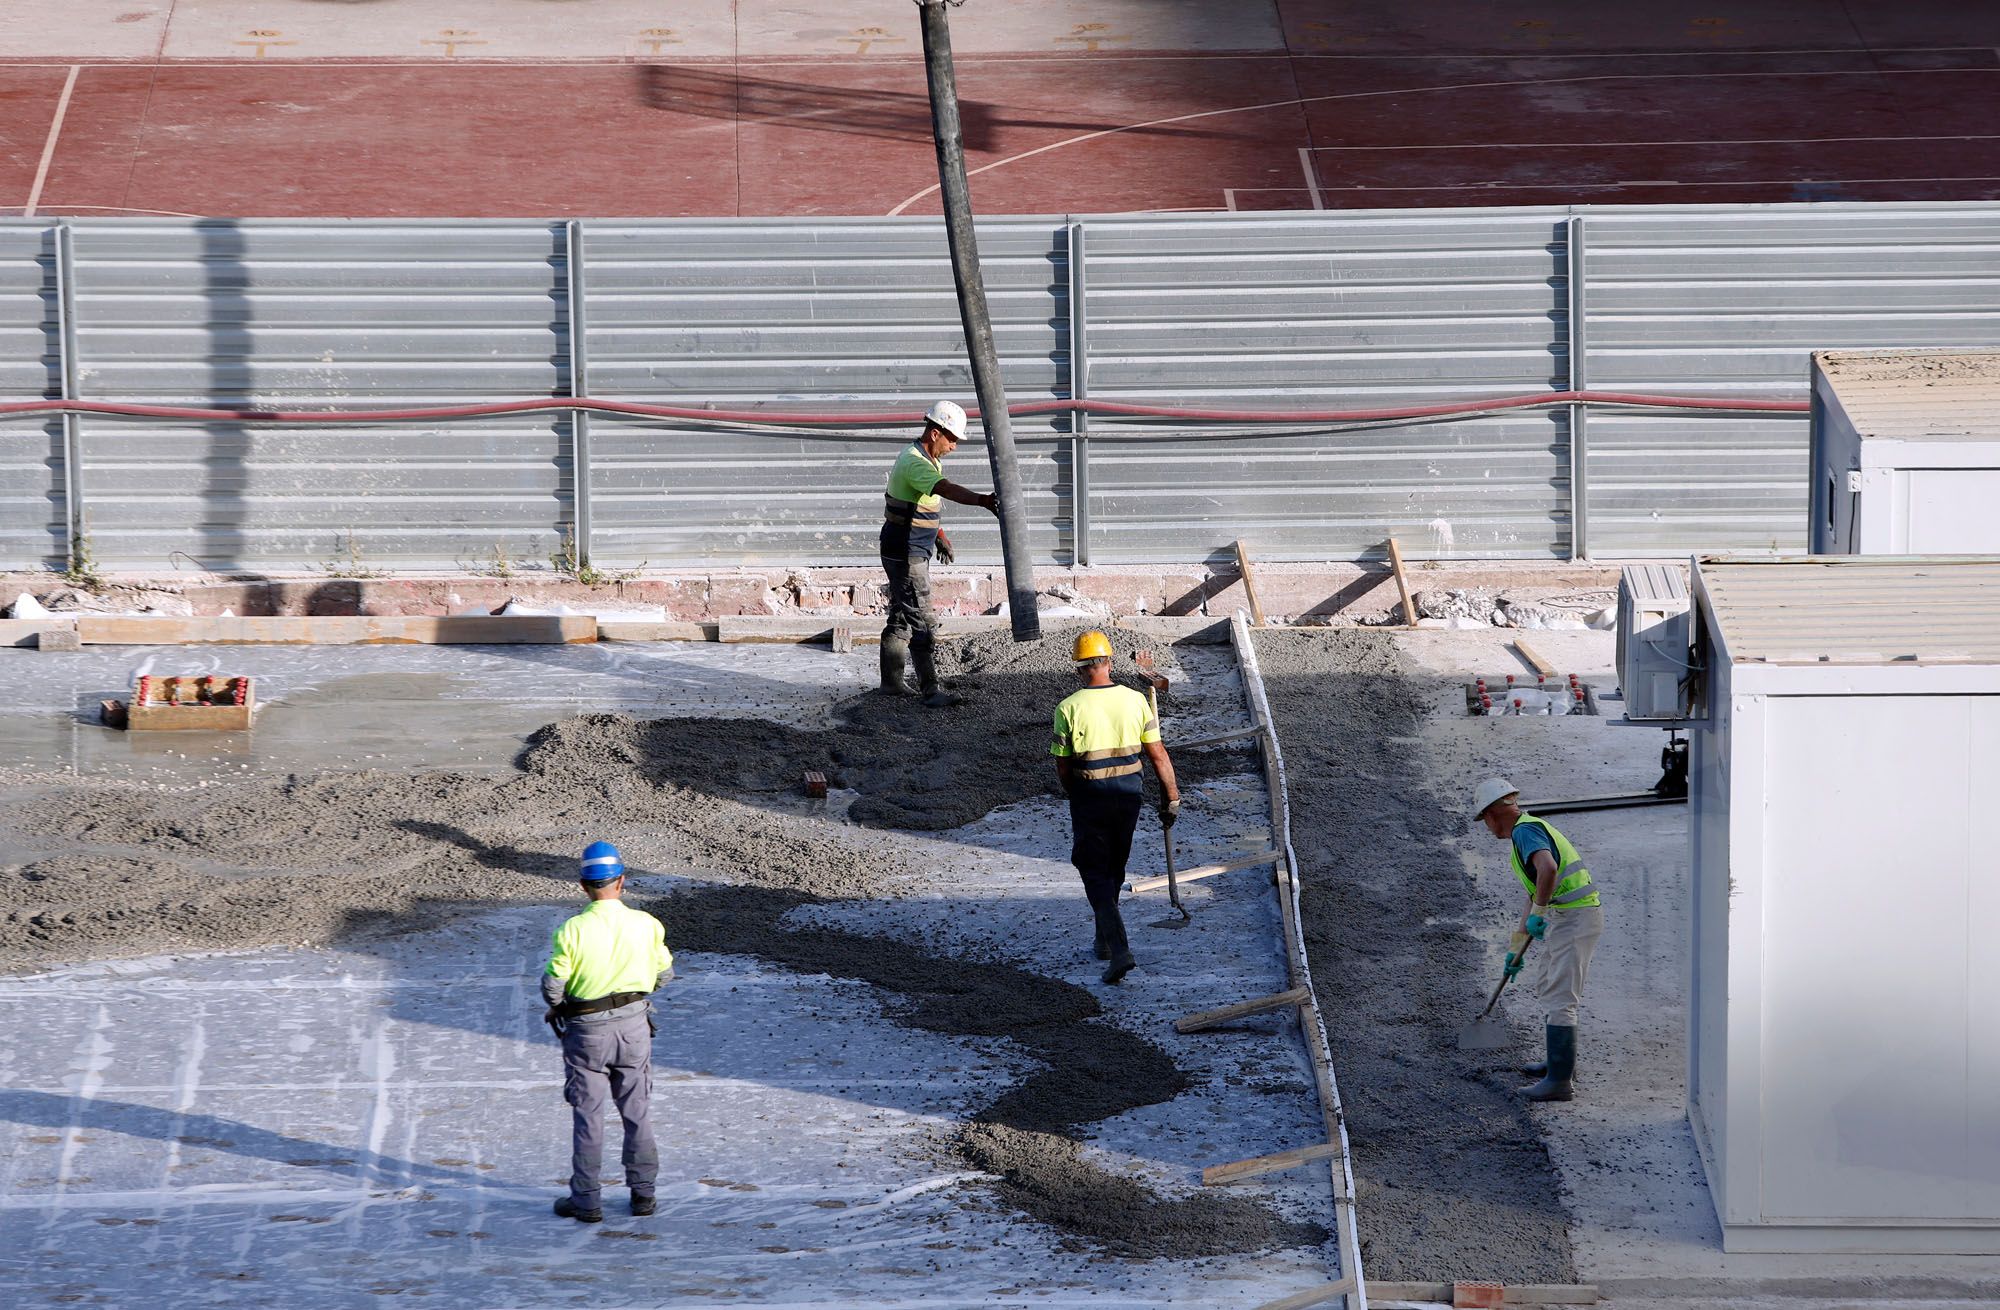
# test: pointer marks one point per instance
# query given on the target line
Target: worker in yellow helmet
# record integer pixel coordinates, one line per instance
(912, 531)
(1101, 733)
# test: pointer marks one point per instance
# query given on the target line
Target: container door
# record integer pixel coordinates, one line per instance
(1870, 1110)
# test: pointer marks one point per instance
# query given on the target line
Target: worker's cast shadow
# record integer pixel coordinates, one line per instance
(540, 864)
(196, 1133)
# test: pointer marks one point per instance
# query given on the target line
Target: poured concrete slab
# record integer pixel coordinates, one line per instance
(328, 1127)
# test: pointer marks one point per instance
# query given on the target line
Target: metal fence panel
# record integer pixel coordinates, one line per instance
(855, 316)
(31, 449)
(1322, 311)
(1731, 302)
(303, 315)
(1363, 311)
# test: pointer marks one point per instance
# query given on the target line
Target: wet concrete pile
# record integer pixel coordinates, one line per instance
(133, 869)
(1452, 1178)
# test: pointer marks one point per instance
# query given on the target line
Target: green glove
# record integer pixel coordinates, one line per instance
(1538, 927)
(1513, 965)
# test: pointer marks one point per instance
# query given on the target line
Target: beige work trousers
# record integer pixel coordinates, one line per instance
(1565, 952)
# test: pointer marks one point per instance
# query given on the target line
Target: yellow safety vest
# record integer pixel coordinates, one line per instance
(1573, 886)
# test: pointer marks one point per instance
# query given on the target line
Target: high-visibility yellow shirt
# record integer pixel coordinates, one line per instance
(911, 514)
(609, 947)
(1101, 729)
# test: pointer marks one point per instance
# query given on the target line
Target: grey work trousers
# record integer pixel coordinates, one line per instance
(911, 617)
(1565, 951)
(610, 1055)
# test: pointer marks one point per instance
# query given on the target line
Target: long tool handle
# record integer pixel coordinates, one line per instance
(1166, 832)
(1505, 978)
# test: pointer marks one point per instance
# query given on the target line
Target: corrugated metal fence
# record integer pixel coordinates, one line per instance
(1330, 310)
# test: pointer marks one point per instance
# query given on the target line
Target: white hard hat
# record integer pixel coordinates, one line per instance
(948, 415)
(1493, 789)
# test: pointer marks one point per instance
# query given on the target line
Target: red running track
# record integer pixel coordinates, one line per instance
(1368, 105)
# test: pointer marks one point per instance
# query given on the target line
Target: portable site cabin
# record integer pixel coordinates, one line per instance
(1844, 1006)
(1905, 452)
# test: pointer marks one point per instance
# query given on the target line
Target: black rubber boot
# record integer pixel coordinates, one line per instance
(924, 656)
(1101, 948)
(1121, 964)
(1539, 1069)
(895, 658)
(641, 1205)
(567, 1208)
(1558, 1083)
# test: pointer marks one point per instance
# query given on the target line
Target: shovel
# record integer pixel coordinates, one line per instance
(1487, 1033)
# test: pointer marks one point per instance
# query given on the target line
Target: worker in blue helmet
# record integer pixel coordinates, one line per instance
(603, 968)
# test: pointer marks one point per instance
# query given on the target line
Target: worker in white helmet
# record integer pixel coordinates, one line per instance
(1563, 913)
(912, 531)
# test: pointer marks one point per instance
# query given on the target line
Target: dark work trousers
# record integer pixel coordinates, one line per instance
(610, 1055)
(1101, 825)
(911, 618)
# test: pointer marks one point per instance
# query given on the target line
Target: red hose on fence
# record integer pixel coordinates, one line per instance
(1109, 408)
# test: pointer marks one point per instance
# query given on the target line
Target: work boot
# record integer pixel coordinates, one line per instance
(935, 696)
(1557, 1082)
(1121, 964)
(642, 1205)
(895, 658)
(569, 1209)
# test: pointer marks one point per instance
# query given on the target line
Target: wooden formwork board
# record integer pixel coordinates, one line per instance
(347, 630)
(1347, 1234)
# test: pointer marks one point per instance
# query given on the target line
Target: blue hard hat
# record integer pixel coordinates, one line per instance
(601, 863)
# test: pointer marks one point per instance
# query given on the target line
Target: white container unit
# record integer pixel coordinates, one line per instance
(1905, 452)
(1844, 1004)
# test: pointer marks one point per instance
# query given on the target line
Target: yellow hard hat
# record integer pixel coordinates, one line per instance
(1090, 646)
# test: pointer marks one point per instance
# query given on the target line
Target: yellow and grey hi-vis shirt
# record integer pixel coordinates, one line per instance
(911, 506)
(1100, 729)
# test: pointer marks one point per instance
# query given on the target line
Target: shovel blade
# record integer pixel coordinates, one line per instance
(1488, 1034)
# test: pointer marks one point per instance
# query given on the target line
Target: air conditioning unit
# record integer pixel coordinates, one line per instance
(1654, 661)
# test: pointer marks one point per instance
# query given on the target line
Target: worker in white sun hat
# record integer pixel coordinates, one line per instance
(1563, 913)
(912, 531)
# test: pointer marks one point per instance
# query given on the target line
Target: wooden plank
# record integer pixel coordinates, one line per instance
(1535, 659)
(733, 630)
(1220, 737)
(1527, 1294)
(1217, 1175)
(1222, 1014)
(1402, 584)
(652, 630)
(351, 630)
(1205, 871)
(1249, 583)
(27, 632)
(1311, 1296)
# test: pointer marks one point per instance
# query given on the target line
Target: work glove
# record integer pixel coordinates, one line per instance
(1170, 810)
(553, 1017)
(945, 554)
(990, 503)
(1513, 966)
(1538, 926)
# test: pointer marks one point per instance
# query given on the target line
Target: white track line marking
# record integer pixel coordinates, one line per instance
(49, 146)
(1602, 145)
(1312, 178)
(1084, 137)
